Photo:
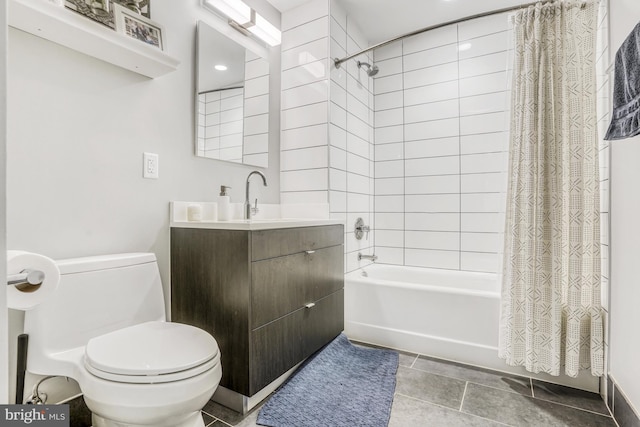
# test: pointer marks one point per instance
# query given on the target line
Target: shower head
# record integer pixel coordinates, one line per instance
(372, 70)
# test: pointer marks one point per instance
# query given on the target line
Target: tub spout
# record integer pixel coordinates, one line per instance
(373, 257)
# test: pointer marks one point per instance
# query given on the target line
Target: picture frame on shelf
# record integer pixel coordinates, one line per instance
(138, 27)
(102, 10)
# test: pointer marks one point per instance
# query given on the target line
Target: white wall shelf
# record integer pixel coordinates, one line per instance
(70, 29)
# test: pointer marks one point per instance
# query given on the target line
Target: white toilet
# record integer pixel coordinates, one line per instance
(105, 328)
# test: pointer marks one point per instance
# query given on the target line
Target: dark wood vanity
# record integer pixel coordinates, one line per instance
(270, 298)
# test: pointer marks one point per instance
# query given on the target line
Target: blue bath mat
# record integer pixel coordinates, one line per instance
(341, 386)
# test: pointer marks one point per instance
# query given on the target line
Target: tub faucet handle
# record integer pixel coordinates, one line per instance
(360, 229)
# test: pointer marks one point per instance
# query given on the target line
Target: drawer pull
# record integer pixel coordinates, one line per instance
(309, 252)
(310, 305)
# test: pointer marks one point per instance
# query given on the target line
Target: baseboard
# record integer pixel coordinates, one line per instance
(622, 410)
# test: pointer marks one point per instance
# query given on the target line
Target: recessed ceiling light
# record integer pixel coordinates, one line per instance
(464, 46)
(220, 67)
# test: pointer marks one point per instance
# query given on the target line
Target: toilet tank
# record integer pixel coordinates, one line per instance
(96, 295)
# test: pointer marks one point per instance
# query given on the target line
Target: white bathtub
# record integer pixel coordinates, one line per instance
(447, 314)
(442, 313)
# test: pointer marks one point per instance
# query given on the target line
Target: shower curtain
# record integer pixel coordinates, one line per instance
(551, 313)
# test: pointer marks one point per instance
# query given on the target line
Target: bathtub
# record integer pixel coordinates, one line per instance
(446, 314)
(441, 313)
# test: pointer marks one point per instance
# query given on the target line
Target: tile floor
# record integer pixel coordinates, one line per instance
(435, 393)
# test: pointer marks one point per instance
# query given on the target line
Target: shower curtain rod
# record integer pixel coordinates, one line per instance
(337, 61)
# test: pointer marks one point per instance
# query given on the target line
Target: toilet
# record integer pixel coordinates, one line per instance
(106, 328)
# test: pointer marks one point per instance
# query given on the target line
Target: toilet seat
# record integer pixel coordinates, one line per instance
(151, 352)
(153, 379)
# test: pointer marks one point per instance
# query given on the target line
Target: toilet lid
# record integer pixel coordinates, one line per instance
(152, 348)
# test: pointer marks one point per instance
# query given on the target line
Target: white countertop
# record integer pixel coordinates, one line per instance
(256, 224)
(270, 216)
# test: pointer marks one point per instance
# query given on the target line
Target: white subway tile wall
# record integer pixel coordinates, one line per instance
(304, 151)
(420, 151)
(351, 137)
(441, 143)
(327, 119)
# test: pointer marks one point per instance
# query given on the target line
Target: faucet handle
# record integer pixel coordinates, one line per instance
(254, 209)
(360, 229)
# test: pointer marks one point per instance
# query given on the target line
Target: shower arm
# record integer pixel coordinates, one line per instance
(338, 61)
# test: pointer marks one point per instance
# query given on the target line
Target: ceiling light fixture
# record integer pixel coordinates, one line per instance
(245, 20)
(220, 67)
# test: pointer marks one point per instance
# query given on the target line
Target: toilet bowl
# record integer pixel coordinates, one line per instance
(105, 327)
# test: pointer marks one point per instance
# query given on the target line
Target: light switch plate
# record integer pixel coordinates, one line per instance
(150, 165)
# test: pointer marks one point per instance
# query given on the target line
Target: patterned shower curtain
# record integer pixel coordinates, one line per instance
(551, 313)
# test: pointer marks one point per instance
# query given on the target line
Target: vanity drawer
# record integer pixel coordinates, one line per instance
(286, 241)
(280, 345)
(284, 284)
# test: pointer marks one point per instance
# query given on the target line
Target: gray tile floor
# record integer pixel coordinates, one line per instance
(436, 393)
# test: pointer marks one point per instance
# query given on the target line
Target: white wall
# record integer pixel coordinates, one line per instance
(4, 382)
(441, 101)
(624, 340)
(77, 128)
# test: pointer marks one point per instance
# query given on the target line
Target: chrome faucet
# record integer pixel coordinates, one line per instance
(248, 210)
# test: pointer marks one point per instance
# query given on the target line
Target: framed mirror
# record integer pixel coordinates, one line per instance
(232, 122)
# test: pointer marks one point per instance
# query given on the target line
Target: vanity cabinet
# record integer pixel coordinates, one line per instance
(270, 298)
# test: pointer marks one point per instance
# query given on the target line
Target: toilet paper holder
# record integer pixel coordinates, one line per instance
(26, 277)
